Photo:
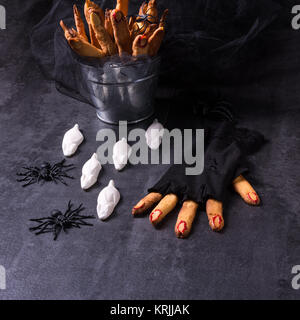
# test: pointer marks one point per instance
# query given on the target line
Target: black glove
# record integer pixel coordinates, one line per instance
(224, 164)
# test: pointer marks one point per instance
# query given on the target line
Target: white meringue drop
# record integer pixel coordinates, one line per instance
(107, 200)
(90, 172)
(71, 141)
(154, 135)
(121, 153)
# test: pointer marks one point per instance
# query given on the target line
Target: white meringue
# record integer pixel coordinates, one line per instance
(121, 153)
(90, 172)
(71, 141)
(154, 135)
(107, 200)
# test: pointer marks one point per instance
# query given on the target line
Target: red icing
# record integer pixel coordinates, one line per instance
(140, 41)
(255, 195)
(185, 226)
(214, 218)
(115, 16)
(156, 210)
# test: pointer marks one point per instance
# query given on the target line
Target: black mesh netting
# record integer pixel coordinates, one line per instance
(205, 39)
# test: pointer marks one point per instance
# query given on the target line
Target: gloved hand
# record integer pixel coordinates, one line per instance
(224, 166)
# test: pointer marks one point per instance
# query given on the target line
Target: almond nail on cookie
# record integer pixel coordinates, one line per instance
(146, 203)
(214, 211)
(121, 32)
(90, 7)
(185, 218)
(246, 191)
(107, 45)
(165, 206)
(140, 46)
(79, 23)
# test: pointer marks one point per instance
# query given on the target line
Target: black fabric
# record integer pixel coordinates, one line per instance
(223, 162)
(207, 38)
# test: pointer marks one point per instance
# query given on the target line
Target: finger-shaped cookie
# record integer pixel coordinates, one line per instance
(140, 46)
(79, 45)
(165, 206)
(79, 23)
(150, 30)
(214, 211)
(146, 203)
(107, 24)
(185, 218)
(123, 6)
(104, 39)
(155, 41)
(89, 7)
(162, 22)
(152, 12)
(66, 30)
(246, 191)
(131, 23)
(121, 32)
(85, 49)
(143, 8)
(140, 27)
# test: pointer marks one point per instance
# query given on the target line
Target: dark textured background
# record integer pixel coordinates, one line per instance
(125, 258)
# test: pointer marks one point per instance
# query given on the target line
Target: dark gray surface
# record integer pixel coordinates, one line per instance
(125, 258)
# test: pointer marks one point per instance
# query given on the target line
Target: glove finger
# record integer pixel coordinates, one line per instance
(214, 211)
(146, 203)
(246, 191)
(165, 206)
(185, 218)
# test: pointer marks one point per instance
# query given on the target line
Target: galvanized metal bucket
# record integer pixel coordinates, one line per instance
(122, 92)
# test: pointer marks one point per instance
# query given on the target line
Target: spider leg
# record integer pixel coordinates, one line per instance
(32, 180)
(65, 175)
(75, 211)
(23, 174)
(52, 176)
(82, 218)
(54, 179)
(58, 165)
(68, 211)
(28, 168)
(83, 223)
(75, 225)
(40, 226)
(56, 231)
(44, 228)
(61, 163)
(61, 180)
(24, 179)
(39, 178)
(69, 166)
(46, 231)
(42, 219)
(70, 205)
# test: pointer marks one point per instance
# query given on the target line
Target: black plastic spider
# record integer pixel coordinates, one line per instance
(46, 172)
(145, 19)
(58, 221)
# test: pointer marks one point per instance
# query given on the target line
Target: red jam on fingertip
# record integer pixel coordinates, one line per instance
(179, 226)
(155, 212)
(219, 218)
